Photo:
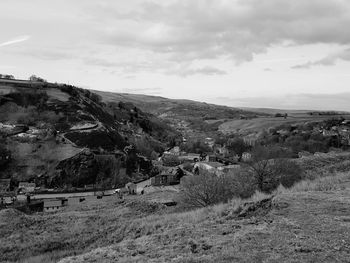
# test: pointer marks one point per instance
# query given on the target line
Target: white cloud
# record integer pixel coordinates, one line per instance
(192, 30)
(14, 41)
(329, 60)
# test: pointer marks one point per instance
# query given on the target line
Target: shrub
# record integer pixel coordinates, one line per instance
(208, 189)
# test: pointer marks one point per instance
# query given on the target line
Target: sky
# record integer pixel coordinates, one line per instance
(242, 53)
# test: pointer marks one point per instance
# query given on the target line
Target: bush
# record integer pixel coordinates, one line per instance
(208, 189)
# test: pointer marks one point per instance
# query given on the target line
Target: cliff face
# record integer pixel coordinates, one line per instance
(42, 125)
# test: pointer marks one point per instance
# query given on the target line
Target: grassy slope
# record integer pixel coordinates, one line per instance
(259, 124)
(300, 227)
(176, 107)
(310, 222)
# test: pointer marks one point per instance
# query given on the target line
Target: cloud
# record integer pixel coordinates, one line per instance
(162, 36)
(192, 30)
(206, 70)
(329, 60)
(14, 41)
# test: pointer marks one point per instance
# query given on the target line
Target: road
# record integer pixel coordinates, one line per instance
(64, 195)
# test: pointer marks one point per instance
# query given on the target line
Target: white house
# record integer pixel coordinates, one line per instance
(26, 187)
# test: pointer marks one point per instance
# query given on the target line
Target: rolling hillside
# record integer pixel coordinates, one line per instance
(192, 118)
(42, 124)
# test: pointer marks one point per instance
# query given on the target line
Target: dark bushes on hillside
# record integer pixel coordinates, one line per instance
(29, 97)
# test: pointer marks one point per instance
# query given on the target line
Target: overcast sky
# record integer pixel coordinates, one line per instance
(252, 53)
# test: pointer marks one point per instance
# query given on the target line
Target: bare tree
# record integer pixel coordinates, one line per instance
(270, 167)
(207, 189)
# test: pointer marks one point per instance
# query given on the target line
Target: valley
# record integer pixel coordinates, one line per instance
(99, 177)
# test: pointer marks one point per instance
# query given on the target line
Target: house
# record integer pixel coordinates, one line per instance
(246, 156)
(142, 184)
(52, 205)
(304, 154)
(222, 150)
(132, 188)
(165, 179)
(210, 158)
(26, 187)
(209, 141)
(227, 161)
(173, 151)
(7, 198)
(208, 166)
(229, 168)
(191, 157)
(331, 133)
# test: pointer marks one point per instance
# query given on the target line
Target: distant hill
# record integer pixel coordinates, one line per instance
(193, 118)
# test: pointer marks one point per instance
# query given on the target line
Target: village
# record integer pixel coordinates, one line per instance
(35, 197)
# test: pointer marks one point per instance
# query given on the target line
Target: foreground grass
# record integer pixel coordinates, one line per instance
(308, 221)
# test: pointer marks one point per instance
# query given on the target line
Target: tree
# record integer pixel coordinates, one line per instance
(238, 146)
(108, 171)
(5, 76)
(195, 147)
(5, 156)
(269, 166)
(208, 189)
(131, 162)
(36, 78)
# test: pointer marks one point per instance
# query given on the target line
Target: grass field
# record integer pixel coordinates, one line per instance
(264, 123)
